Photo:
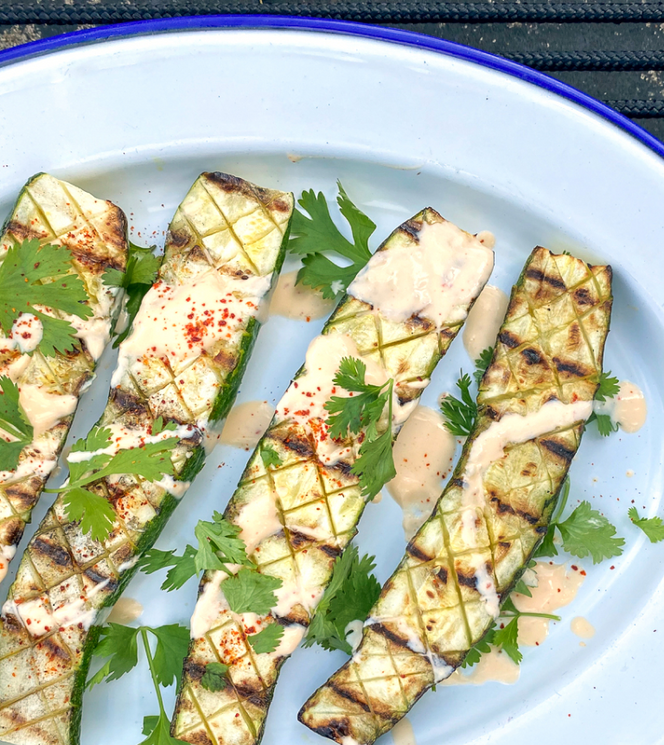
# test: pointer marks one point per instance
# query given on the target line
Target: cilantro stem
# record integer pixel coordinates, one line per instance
(525, 614)
(148, 654)
(562, 502)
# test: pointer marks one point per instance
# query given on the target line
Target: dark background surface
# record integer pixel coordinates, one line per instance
(609, 50)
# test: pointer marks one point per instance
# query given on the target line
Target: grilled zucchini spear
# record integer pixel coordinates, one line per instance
(299, 513)
(95, 232)
(183, 362)
(533, 401)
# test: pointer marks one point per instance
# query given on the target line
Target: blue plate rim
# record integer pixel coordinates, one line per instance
(398, 36)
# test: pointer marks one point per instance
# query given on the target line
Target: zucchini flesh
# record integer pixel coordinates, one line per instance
(95, 231)
(315, 505)
(433, 609)
(225, 226)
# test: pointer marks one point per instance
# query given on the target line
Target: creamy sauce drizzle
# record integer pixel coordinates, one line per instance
(299, 302)
(556, 587)
(27, 331)
(7, 553)
(304, 401)
(258, 519)
(582, 628)
(484, 321)
(423, 456)
(489, 447)
(446, 269)
(628, 409)
(125, 611)
(353, 632)
(402, 733)
(178, 323)
(486, 238)
(246, 424)
(494, 666)
(43, 409)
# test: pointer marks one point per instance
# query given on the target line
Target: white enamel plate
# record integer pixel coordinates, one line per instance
(135, 113)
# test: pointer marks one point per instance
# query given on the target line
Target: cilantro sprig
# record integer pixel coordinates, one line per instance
(32, 275)
(461, 413)
(609, 387)
(315, 236)
(151, 460)
(362, 413)
(14, 421)
(585, 532)
(218, 546)
(350, 596)
(136, 280)
(119, 644)
(504, 634)
(653, 527)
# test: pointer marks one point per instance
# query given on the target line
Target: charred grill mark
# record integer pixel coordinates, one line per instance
(84, 255)
(417, 553)
(582, 296)
(296, 444)
(177, 238)
(558, 448)
(442, 575)
(230, 183)
(84, 379)
(255, 695)
(128, 402)
(343, 693)
(97, 578)
(532, 356)
(570, 367)
(12, 531)
(331, 551)
(574, 336)
(502, 508)
(411, 228)
(53, 650)
(52, 551)
(467, 581)
(199, 737)
(381, 629)
(23, 232)
(510, 340)
(193, 670)
(335, 729)
(279, 205)
(539, 276)
(225, 359)
(24, 495)
(297, 539)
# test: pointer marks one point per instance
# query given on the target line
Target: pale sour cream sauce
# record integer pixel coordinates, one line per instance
(628, 409)
(246, 423)
(423, 455)
(298, 302)
(484, 320)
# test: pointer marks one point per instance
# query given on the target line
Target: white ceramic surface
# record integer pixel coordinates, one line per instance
(136, 119)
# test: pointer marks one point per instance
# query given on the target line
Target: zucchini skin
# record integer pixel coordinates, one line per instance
(183, 257)
(431, 602)
(75, 368)
(414, 349)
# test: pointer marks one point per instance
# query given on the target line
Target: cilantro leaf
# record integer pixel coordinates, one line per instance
(182, 568)
(609, 386)
(14, 421)
(249, 591)
(119, 643)
(482, 363)
(507, 639)
(160, 733)
(460, 414)
(375, 465)
(355, 412)
(214, 678)
(33, 275)
(266, 640)
(522, 588)
(270, 457)
(219, 544)
(315, 235)
(172, 646)
(479, 648)
(350, 595)
(94, 511)
(586, 532)
(136, 280)
(547, 547)
(605, 424)
(653, 527)
(159, 426)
